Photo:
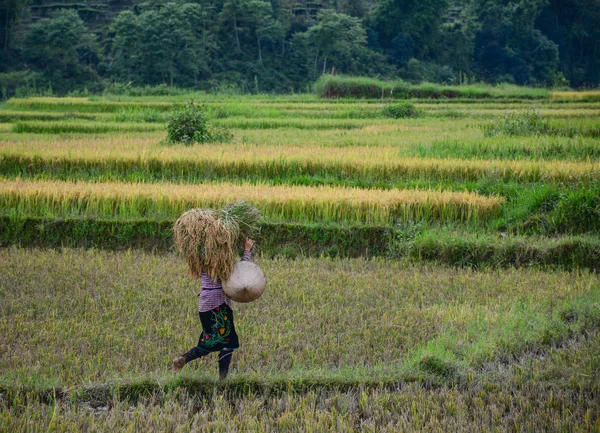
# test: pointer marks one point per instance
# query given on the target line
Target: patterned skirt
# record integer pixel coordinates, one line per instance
(218, 330)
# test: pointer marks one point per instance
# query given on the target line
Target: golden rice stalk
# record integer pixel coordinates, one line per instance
(206, 242)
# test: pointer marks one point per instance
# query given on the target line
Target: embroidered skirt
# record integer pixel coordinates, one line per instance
(218, 330)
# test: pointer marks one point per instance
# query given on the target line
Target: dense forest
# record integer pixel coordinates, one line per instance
(63, 46)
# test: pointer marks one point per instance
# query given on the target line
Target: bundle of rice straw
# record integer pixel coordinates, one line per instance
(206, 238)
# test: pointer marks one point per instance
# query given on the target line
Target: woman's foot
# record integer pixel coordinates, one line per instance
(178, 364)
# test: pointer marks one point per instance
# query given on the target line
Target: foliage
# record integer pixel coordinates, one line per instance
(63, 51)
(21, 84)
(510, 48)
(190, 124)
(118, 89)
(255, 46)
(412, 23)
(518, 123)
(337, 38)
(400, 110)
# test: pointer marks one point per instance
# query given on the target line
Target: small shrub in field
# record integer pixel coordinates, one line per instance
(190, 124)
(527, 123)
(401, 110)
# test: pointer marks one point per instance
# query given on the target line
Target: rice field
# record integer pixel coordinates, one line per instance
(115, 315)
(298, 203)
(386, 163)
(424, 275)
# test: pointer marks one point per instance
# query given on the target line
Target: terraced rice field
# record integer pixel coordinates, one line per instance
(424, 274)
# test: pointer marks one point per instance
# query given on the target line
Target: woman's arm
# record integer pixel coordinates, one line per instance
(247, 256)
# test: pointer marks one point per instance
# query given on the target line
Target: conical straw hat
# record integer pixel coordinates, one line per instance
(247, 282)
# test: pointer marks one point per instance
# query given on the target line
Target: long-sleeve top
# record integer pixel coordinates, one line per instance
(212, 294)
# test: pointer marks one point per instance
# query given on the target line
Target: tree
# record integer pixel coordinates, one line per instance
(10, 12)
(62, 49)
(125, 48)
(574, 26)
(456, 48)
(418, 20)
(230, 14)
(252, 21)
(201, 17)
(354, 8)
(264, 27)
(336, 38)
(168, 48)
(509, 48)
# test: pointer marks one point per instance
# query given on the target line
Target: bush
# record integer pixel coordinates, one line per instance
(190, 124)
(400, 110)
(527, 123)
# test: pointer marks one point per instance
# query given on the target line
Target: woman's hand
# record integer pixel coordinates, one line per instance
(249, 244)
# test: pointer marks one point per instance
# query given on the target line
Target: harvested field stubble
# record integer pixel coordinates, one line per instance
(113, 316)
(503, 398)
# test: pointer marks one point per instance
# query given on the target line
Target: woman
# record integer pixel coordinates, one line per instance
(218, 330)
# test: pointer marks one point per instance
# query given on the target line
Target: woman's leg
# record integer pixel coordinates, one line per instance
(225, 356)
(193, 353)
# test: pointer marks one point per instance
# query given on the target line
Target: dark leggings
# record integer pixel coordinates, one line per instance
(225, 356)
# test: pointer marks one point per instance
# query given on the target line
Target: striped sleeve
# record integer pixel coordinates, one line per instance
(247, 256)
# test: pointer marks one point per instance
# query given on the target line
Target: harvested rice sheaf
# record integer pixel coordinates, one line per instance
(206, 238)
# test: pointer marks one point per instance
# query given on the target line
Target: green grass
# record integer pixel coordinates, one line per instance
(532, 123)
(498, 147)
(338, 86)
(81, 127)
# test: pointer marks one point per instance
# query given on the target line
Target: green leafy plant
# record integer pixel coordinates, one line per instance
(401, 110)
(190, 124)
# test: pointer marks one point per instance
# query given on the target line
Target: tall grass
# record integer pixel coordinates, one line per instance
(310, 124)
(117, 200)
(13, 116)
(516, 398)
(339, 86)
